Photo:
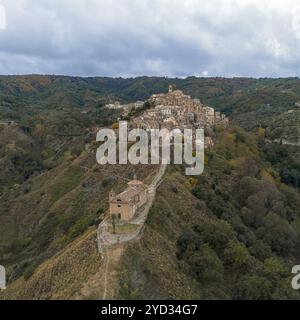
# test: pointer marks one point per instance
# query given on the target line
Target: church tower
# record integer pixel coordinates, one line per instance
(170, 88)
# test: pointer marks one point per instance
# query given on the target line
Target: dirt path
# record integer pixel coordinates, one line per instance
(105, 275)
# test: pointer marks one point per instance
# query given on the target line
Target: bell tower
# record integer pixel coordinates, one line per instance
(170, 88)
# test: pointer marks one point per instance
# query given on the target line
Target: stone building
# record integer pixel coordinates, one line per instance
(126, 108)
(116, 105)
(177, 110)
(125, 204)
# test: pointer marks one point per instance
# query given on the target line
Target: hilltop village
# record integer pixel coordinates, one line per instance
(177, 110)
(172, 110)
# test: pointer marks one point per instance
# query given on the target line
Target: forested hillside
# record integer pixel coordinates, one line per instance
(230, 233)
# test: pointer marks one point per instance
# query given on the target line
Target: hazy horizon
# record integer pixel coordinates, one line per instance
(142, 76)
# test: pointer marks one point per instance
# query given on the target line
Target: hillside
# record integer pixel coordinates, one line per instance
(235, 94)
(203, 239)
(42, 209)
(249, 101)
(52, 100)
(231, 233)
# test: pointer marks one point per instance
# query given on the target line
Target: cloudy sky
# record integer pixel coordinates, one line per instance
(150, 37)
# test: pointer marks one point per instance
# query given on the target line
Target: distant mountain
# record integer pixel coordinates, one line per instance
(258, 98)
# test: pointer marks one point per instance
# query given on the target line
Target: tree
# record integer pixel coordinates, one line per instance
(275, 269)
(245, 188)
(206, 265)
(236, 255)
(260, 250)
(114, 220)
(278, 233)
(252, 288)
(188, 243)
(216, 233)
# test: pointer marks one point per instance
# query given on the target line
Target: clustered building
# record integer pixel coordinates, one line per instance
(171, 110)
(126, 108)
(177, 110)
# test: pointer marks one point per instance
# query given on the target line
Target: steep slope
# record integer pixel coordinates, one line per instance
(150, 268)
(232, 233)
(78, 271)
(63, 275)
(49, 210)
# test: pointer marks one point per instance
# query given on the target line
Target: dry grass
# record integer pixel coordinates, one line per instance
(62, 276)
(124, 228)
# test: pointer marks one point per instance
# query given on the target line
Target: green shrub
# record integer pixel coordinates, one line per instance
(28, 272)
(216, 233)
(236, 255)
(80, 226)
(207, 266)
(252, 288)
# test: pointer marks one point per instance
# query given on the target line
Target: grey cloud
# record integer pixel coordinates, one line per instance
(151, 37)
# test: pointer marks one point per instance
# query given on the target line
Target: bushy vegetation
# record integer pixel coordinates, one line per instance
(248, 245)
(249, 192)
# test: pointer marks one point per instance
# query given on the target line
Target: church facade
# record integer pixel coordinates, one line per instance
(125, 205)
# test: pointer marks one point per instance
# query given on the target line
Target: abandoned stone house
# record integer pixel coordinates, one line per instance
(125, 205)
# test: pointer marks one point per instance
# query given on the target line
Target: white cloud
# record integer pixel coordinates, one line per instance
(153, 37)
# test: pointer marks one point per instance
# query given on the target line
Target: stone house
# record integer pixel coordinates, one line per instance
(125, 204)
(176, 110)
